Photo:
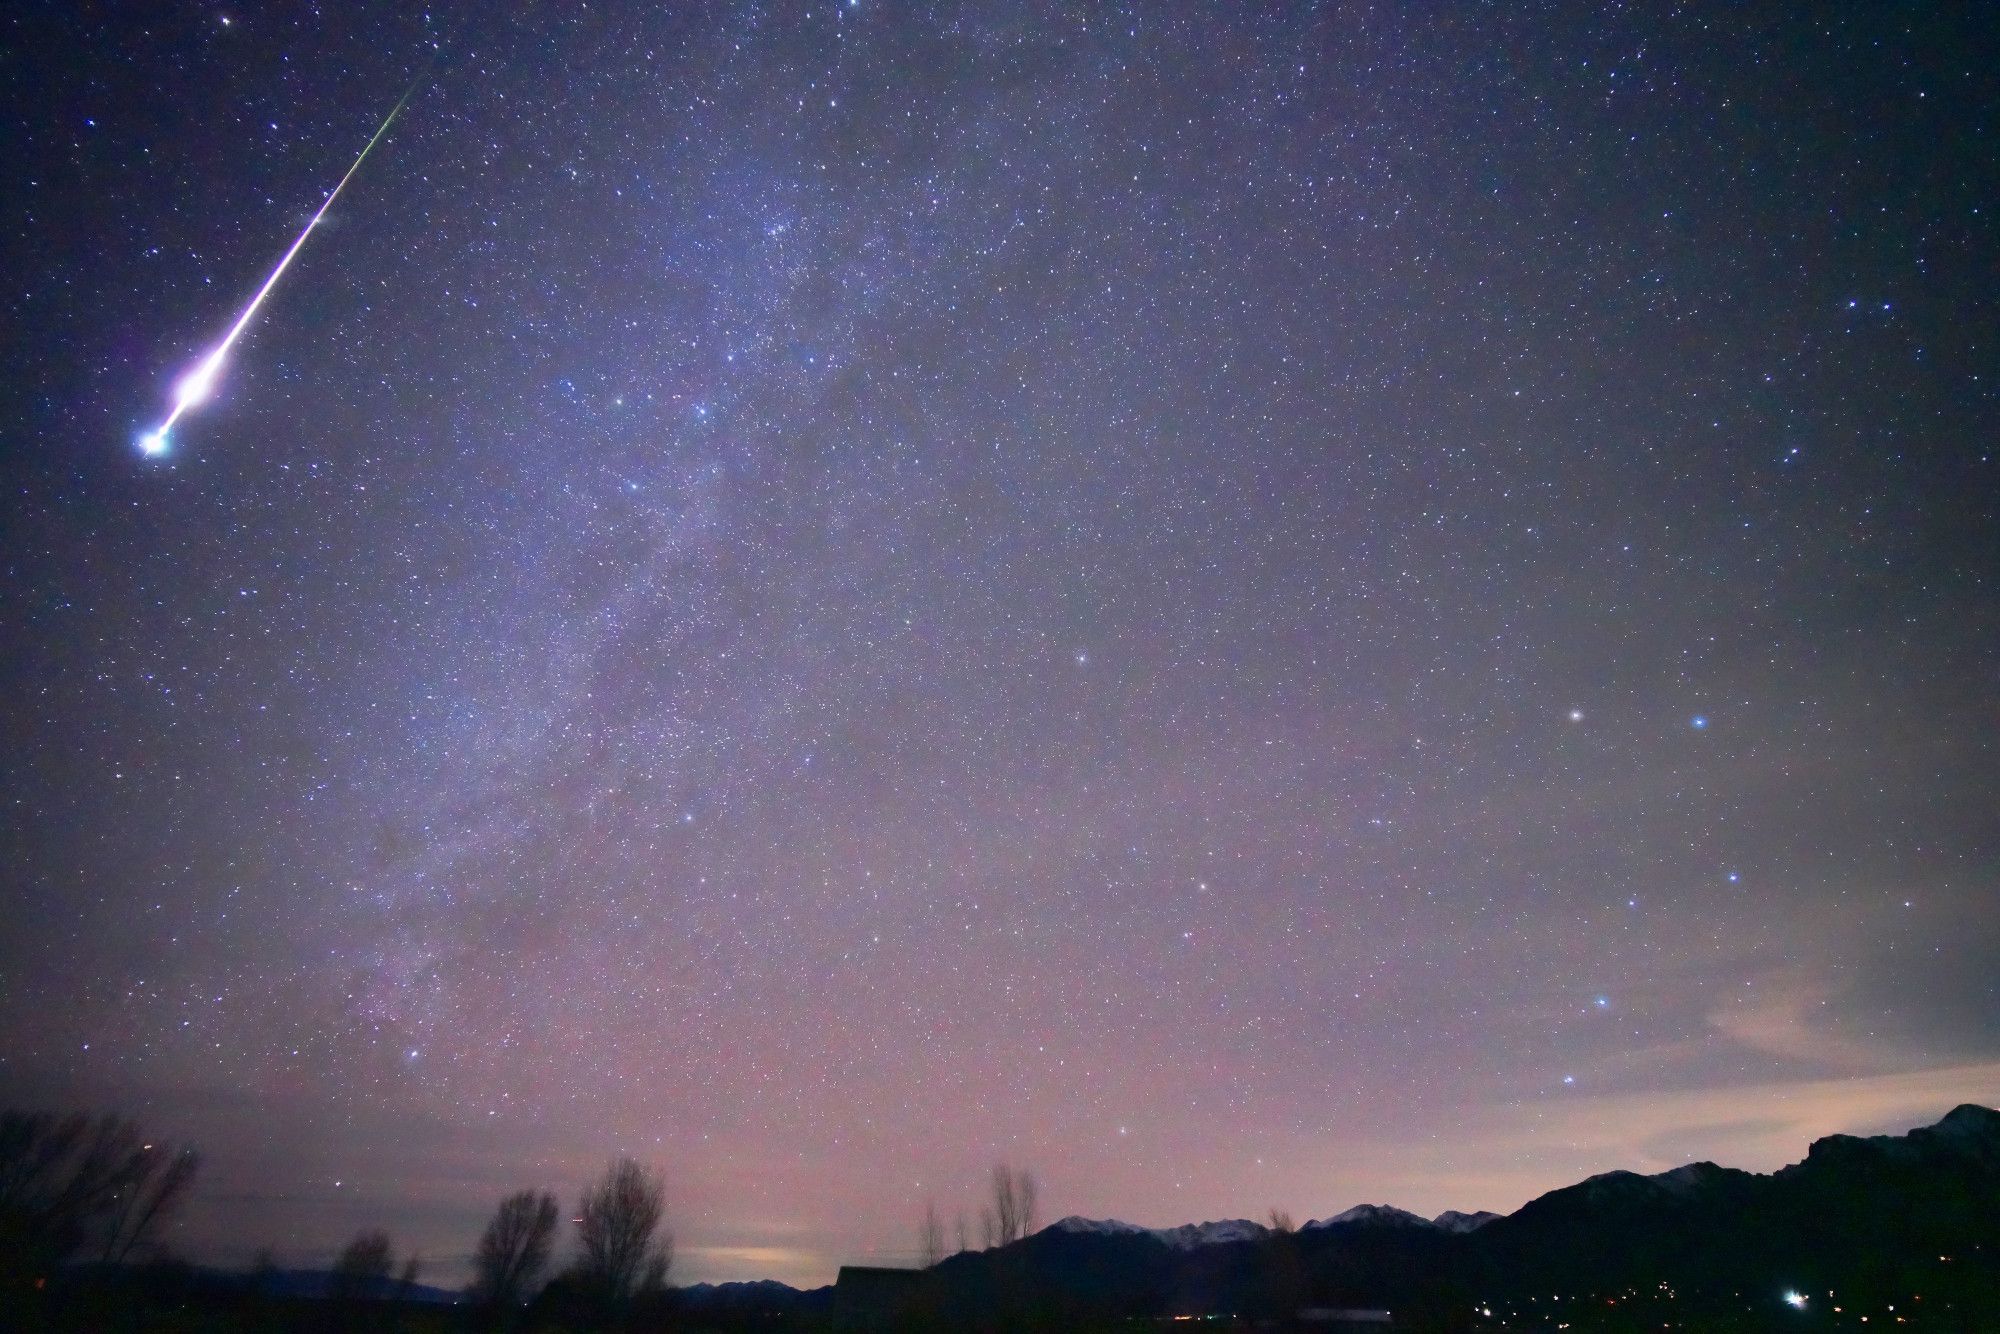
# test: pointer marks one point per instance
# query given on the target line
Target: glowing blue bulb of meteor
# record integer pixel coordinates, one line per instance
(192, 390)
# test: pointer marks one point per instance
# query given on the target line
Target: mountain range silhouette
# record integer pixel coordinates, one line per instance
(1862, 1223)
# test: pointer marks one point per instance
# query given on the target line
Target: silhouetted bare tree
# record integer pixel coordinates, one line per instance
(514, 1250)
(69, 1181)
(362, 1271)
(1284, 1276)
(406, 1278)
(625, 1249)
(930, 1237)
(1011, 1216)
(157, 1181)
(264, 1271)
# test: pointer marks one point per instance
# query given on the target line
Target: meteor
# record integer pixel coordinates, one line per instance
(198, 385)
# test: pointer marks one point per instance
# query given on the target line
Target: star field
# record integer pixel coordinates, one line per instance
(1242, 608)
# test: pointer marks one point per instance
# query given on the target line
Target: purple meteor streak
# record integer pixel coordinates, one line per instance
(198, 385)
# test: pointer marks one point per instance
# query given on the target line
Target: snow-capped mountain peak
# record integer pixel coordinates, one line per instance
(1372, 1215)
(1186, 1237)
(1451, 1220)
(1192, 1236)
(1097, 1227)
(1686, 1180)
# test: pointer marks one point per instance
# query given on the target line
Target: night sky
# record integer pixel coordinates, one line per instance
(1333, 603)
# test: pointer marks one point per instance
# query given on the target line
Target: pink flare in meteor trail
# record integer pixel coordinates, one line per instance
(198, 385)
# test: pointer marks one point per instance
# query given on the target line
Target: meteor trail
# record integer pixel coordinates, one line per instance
(198, 384)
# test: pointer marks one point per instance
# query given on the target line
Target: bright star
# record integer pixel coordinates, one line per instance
(1576, 715)
(1796, 1300)
(1698, 723)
